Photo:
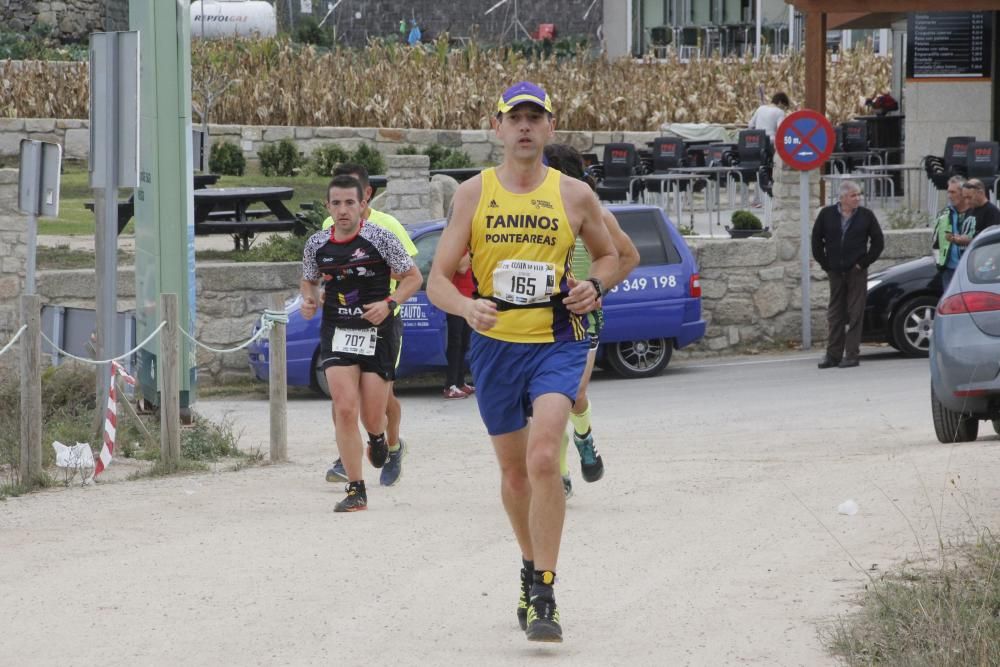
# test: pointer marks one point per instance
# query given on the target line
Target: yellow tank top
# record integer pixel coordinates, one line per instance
(522, 246)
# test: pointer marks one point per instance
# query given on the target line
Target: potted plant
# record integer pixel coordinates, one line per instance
(745, 224)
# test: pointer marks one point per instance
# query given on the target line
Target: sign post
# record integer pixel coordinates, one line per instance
(37, 192)
(805, 140)
(114, 160)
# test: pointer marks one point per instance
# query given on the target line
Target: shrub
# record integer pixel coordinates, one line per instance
(208, 441)
(309, 31)
(326, 158)
(745, 220)
(280, 159)
(441, 157)
(39, 42)
(227, 159)
(286, 248)
(370, 158)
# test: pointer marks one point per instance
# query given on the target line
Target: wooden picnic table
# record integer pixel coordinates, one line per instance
(228, 211)
(126, 207)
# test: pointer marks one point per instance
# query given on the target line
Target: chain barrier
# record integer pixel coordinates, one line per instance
(267, 321)
(98, 362)
(14, 339)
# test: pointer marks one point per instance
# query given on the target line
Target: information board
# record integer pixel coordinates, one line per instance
(948, 45)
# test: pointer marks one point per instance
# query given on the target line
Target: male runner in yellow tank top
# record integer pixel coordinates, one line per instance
(529, 342)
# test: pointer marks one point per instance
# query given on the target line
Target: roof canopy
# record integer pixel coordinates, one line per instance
(892, 6)
(823, 15)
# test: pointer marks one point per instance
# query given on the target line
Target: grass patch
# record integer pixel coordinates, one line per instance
(74, 191)
(63, 257)
(69, 413)
(17, 487)
(945, 614)
(158, 469)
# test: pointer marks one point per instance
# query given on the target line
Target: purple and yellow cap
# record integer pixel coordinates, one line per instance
(524, 92)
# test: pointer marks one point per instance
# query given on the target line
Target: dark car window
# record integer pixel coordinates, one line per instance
(984, 263)
(426, 245)
(650, 238)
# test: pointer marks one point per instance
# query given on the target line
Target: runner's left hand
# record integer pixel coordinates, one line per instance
(582, 297)
(376, 312)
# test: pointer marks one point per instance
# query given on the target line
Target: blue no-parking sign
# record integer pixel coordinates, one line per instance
(805, 140)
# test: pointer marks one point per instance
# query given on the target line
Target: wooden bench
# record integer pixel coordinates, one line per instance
(245, 230)
(215, 216)
(126, 209)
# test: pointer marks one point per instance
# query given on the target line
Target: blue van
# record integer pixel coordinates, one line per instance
(652, 312)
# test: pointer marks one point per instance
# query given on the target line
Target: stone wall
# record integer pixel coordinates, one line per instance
(751, 294)
(481, 145)
(408, 193)
(357, 22)
(73, 19)
(230, 298)
(13, 260)
(750, 297)
(73, 135)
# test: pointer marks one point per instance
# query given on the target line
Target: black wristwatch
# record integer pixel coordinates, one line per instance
(598, 285)
(392, 305)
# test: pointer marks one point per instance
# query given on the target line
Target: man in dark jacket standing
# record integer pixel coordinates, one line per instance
(846, 240)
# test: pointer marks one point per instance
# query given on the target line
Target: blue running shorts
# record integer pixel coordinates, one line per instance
(510, 376)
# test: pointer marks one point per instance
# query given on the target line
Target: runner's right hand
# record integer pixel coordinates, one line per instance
(308, 308)
(481, 314)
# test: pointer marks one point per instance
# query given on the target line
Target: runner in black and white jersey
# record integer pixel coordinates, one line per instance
(357, 345)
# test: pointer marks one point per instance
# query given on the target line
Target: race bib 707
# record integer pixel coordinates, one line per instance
(355, 341)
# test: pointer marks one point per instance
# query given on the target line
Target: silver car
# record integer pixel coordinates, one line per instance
(965, 347)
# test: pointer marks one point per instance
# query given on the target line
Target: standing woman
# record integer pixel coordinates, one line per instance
(459, 330)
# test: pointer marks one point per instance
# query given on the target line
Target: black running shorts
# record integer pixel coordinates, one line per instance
(382, 362)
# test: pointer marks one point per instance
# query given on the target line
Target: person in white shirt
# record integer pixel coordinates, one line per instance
(767, 117)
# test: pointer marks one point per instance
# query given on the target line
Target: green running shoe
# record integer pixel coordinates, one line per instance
(591, 463)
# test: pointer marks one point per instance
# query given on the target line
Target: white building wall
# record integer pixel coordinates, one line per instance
(616, 28)
(940, 109)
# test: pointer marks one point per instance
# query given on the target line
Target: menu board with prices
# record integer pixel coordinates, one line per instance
(949, 44)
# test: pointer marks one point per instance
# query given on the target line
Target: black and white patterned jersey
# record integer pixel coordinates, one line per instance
(356, 271)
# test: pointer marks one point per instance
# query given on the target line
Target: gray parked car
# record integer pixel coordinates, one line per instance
(965, 347)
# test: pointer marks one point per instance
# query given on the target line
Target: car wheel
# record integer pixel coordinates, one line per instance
(640, 358)
(952, 426)
(996, 426)
(913, 325)
(318, 382)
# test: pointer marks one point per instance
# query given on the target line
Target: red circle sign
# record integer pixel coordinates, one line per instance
(805, 139)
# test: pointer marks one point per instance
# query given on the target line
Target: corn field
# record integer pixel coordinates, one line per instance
(271, 82)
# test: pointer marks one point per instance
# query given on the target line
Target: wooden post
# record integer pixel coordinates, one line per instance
(31, 389)
(278, 386)
(816, 69)
(170, 398)
(816, 61)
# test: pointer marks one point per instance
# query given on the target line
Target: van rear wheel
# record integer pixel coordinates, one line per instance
(640, 358)
(318, 383)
